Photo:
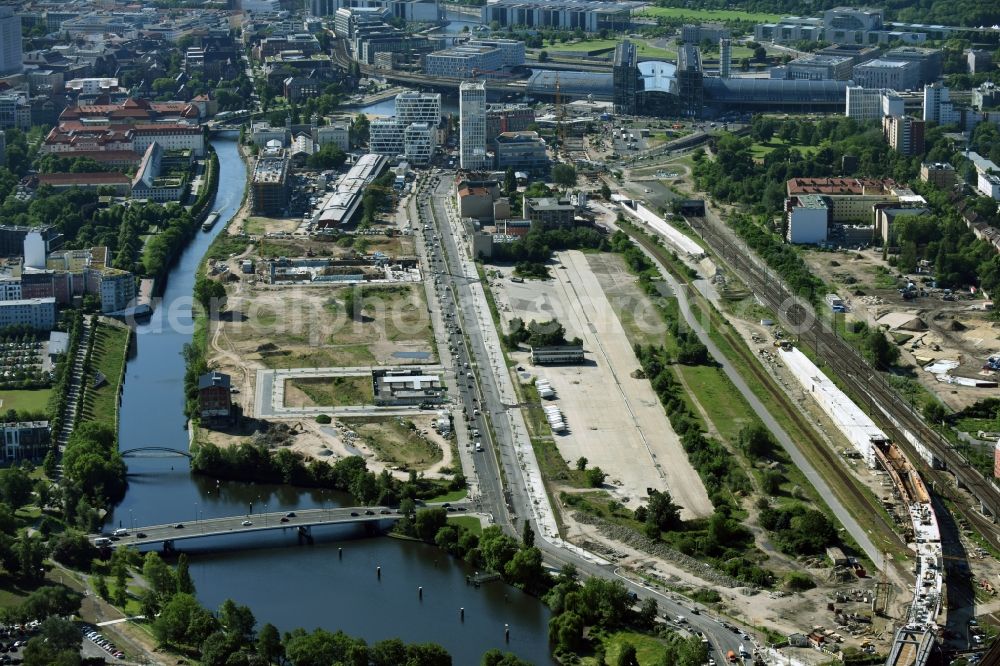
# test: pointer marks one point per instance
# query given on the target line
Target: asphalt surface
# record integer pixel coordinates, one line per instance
(444, 248)
(259, 522)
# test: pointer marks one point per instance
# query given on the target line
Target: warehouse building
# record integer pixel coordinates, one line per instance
(561, 355)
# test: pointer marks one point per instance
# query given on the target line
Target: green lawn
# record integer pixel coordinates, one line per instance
(25, 401)
(759, 150)
(649, 650)
(108, 359)
(470, 523)
(709, 14)
(725, 405)
(451, 496)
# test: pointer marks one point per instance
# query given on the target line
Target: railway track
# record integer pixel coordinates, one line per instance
(819, 449)
(892, 413)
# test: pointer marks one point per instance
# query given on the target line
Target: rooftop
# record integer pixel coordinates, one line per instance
(848, 186)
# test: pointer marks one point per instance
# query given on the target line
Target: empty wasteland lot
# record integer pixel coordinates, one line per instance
(614, 419)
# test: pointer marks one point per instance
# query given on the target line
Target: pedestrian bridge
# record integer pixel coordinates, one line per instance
(153, 451)
(302, 521)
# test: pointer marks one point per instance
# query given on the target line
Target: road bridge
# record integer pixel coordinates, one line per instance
(226, 526)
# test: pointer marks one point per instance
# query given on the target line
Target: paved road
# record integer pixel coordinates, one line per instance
(472, 346)
(260, 522)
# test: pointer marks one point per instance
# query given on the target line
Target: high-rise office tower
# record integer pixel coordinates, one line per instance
(725, 56)
(11, 54)
(472, 125)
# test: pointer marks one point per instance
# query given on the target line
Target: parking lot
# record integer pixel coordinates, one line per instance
(614, 419)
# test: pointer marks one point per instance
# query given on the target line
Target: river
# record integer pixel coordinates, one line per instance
(286, 584)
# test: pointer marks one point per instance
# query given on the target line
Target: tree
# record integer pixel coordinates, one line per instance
(73, 549)
(15, 487)
(878, 350)
(269, 645)
(183, 622)
(360, 129)
(160, 576)
(934, 411)
(329, 156)
(581, 463)
(428, 522)
(647, 613)
(566, 631)
(627, 656)
(238, 621)
(564, 174)
(527, 534)
(211, 294)
(605, 192)
(509, 181)
(595, 477)
(756, 440)
(101, 587)
(495, 657)
(183, 574)
(543, 56)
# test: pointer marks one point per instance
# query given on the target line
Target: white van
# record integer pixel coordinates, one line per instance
(120, 532)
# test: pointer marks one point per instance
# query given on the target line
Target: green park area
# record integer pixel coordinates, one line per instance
(709, 14)
(329, 391)
(760, 150)
(34, 402)
(107, 362)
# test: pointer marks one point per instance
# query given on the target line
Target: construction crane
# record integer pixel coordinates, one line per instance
(560, 116)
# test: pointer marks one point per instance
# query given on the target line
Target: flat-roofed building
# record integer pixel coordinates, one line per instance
(465, 62)
(940, 174)
(820, 68)
(523, 151)
(559, 355)
(905, 134)
(418, 107)
(409, 386)
(24, 440)
(929, 61)
(885, 73)
(808, 219)
(586, 15)
(511, 50)
(270, 183)
(36, 313)
(549, 211)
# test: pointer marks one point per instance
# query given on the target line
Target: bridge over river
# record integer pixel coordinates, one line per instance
(301, 521)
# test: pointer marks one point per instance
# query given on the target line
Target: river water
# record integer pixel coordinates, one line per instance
(284, 583)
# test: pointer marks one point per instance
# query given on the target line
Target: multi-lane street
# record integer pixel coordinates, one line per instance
(482, 396)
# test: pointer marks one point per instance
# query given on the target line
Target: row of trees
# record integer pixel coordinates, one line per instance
(537, 334)
(257, 463)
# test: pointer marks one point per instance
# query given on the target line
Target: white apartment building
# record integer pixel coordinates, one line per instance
(938, 107)
(472, 126)
(37, 313)
(871, 104)
(337, 133)
(418, 107)
(511, 50)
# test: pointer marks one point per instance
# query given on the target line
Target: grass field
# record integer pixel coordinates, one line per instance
(395, 442)
(333, 391)
(470, 523)
(759, 150)
(25, 401)
(709, 14)
(450, 496)
(108, 359)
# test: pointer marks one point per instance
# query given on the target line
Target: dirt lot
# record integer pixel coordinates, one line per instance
(258, 226)
(927, 328)
(399, 443)
(337, 247)
(384, 442)
(614, 420)
(328, 391)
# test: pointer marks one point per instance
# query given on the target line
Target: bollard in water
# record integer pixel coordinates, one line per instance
(506, 632)
(461, 614)
(420, 592)
(340, 553)
(378, 572)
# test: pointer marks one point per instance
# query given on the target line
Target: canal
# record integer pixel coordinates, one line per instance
(283, 583)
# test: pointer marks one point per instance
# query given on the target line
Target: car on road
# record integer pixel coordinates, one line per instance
(247, 523)
(290, 514)
(354, 513)
(369, 512)
(179, 526)
(140, 535)
(385, 512)
(284, 519)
